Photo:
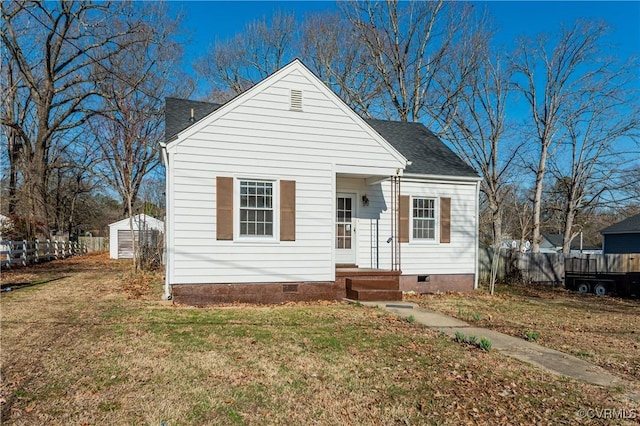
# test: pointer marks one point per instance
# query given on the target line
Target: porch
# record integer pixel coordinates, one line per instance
(369, 284)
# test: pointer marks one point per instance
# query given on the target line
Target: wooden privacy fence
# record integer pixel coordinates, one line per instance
(95, 243)
(549, 267)
(28, 252)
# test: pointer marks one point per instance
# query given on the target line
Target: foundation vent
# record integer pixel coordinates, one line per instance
(290, 288)
(296, 100)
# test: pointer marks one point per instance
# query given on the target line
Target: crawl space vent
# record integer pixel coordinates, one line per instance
(296, 100)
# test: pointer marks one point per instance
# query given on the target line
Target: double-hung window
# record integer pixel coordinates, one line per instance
(424, 219)
(256, 208)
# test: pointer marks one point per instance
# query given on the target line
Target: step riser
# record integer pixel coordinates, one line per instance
(374, 295)
(371, 284)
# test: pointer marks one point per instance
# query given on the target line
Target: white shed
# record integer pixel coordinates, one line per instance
(120, 246)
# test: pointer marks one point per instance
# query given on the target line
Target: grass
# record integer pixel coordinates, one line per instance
(605, 328)
(96, 348)
(531, 335)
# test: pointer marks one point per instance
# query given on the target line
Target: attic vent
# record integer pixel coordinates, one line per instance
(296, 100)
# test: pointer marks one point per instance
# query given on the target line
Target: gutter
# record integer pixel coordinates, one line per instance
(442, 177)
(476, 246)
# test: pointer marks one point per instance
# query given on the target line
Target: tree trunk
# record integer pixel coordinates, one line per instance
(568, 234)
(537, 198)
(496, 230)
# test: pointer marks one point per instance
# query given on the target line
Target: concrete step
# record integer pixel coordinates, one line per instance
(372, 284)
(370, 295)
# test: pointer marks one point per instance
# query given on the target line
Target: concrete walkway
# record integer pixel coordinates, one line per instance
(549, 359)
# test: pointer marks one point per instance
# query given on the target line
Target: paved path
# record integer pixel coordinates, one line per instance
(532, 353)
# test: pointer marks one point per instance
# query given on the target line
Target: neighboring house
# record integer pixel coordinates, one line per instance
(120, 241)
(552, 243)
(285, 193)
(622, 237)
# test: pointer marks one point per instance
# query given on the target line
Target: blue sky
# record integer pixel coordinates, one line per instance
(207, 21)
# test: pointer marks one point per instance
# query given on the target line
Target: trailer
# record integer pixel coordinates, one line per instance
(599, 275)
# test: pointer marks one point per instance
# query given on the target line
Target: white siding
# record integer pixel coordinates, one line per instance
(456, 257)
(261, 138)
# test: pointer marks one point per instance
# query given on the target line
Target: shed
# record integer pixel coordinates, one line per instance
(622, 237)
(120, 246)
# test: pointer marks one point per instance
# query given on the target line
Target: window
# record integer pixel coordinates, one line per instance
(424, 219)
(256, 208)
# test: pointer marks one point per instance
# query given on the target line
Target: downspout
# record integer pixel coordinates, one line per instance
(377, 243)
(165, 160)
(477, 238)
(398, 218)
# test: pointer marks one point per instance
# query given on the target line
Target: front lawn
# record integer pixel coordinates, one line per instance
(96, 347)
(602, 330)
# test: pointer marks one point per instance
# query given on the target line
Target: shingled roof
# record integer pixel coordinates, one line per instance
(427, 153)
(630, 225)
(177, 114)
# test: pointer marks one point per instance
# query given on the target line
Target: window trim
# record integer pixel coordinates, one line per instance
(436, 218)
(275, 194)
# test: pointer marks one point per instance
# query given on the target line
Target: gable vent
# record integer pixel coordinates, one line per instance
(296, 100)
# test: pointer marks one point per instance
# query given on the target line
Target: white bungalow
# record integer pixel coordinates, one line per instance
(285, 193)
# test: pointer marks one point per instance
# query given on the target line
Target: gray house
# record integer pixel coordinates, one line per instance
(552, 243)
(622, 237)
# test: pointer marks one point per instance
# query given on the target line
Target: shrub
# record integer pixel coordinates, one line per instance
(531, 335)
(485, 344)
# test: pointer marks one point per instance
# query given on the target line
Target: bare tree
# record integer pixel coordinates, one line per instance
(411, 46)
(234, 65)
(597, 137)
(557, 82)
(476, 128)
(14, 108)
(332, 49)
(52, 47)
(133, 87)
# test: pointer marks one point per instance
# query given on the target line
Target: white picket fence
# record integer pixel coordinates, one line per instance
(29, 252)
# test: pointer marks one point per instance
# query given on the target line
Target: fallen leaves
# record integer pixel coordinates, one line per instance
(140, 361)
(603, 327)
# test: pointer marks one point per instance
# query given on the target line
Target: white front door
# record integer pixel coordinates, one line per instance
(345, 230)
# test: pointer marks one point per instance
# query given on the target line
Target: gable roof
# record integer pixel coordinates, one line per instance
(555, 241)
(294, 66)
(630, 225)
(149, 222)
(426, 152)
(178, 114)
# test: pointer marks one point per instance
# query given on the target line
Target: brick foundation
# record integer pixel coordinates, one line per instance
(267, 293)
(437, 283)
(273, 293)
